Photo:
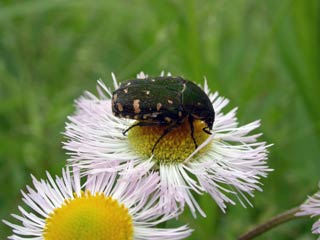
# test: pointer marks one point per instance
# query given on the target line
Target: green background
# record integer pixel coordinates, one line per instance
(262, 55)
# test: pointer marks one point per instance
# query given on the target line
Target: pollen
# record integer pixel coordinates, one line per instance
(89, 217)
(174, 147)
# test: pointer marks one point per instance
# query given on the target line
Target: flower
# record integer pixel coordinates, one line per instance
(229, 162)
(311, 207)
(106, 207)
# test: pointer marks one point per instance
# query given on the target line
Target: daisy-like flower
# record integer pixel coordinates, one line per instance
(106, 207)
(312, 208)
(227, 164)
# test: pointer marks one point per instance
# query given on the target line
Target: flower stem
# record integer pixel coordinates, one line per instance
(272, 223)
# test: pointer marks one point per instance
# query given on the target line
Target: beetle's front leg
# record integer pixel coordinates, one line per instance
(190, 119)
(205, 129)
(141, 124)
(165, 132)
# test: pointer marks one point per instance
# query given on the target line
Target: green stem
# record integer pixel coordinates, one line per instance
(272, 223)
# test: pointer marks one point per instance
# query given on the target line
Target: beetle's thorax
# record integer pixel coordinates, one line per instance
(197, 104)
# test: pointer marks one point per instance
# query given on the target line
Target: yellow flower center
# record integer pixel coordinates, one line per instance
(174, 147)
(89, 217)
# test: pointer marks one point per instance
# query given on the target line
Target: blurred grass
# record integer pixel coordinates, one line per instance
(263, 55)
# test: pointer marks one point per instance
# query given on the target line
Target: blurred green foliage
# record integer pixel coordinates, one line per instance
(263, 55)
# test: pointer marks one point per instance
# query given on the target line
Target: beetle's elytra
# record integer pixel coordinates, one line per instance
(165, 101)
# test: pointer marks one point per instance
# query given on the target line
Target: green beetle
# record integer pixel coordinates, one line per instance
(165, 101)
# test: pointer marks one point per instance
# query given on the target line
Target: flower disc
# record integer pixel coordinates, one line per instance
(89, 217)
(174, 147)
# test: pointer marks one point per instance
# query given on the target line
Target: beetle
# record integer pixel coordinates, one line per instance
(165, 101)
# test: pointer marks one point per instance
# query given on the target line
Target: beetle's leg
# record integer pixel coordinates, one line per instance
(205, 129)
(190, 118)
(132, 126)
(165, 132)
(141, 124)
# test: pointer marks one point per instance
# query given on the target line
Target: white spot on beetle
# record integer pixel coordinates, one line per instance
(180, 114)
(170, 101)
(167, 119)
(147, 92)
(125, 90)
(136, 105)
(128, 84)
(158, 106)
(153, 80)
(120, 107)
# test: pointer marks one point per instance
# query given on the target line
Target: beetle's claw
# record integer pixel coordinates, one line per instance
(206, 131)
